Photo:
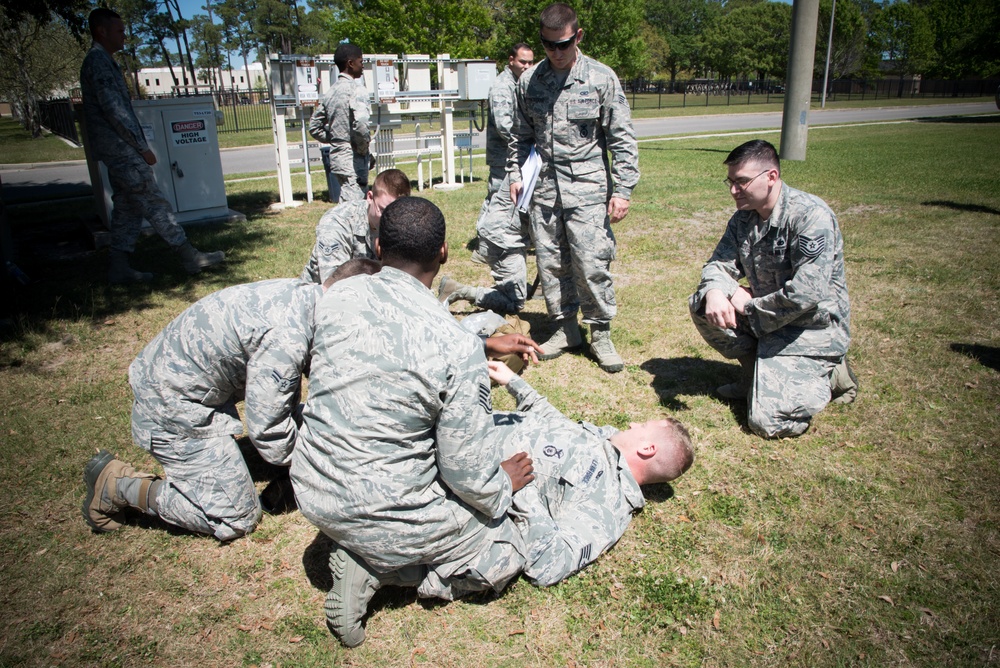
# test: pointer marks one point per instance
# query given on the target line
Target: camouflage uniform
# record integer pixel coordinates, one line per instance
(343, 233)
(341, 120)
(573, 124)
(503, 241)
(244, 341)
(392, 460)
(503, 236)
(583, 495)
(798, 323)
(116, 139)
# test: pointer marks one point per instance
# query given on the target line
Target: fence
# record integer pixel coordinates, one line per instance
(57, 116)
(244, 110)
(664, 94)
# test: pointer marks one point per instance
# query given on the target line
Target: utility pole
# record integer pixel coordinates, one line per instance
(829, 48)
(795, 115)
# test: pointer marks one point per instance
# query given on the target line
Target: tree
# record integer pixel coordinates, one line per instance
(850, 39)
(750, 41)
(904, 34)
(70, 13)
(36, 59)
(657, 51)
(237, 28)
(207, 39)
(611, 31)
(461, 28)
(966, 37)
(681, 23)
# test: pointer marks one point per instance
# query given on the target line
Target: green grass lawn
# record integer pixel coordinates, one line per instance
(872, 540)
(17, 145)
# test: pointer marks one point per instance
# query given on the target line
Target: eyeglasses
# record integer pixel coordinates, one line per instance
(549, 45)
(742, 183)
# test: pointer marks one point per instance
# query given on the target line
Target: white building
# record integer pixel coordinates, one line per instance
(159, 81)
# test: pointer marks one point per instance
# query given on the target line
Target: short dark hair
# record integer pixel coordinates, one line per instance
(353, 267)
(557, 16)
(517, 47)
(101, 18)
(755, 150)
(412, 230)
(393, 182)
(344, 53)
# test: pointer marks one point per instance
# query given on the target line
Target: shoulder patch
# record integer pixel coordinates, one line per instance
(812, 247)
(328, 249)
(485, 400)
(284, 384)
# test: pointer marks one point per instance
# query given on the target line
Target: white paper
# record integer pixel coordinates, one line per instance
(529, 175)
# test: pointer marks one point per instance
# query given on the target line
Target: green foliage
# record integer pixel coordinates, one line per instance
(966, 37)
(681, 24)
(36, 59)
(904, 32)
(461, 28)
(850, 39)
(750, 41)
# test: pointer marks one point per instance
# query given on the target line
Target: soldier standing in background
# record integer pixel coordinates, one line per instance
(341, 120)
(392, 460)
(502, 236)
(115, 138)
(573, 109)
(791, 328)
(244, 342)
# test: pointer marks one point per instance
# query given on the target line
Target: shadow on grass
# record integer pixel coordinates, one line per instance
(692, 375)
(647, 147)
(958, 206)
(316, 562)
(68, 277)
(988, 356)
(659, 492)
(963, 120)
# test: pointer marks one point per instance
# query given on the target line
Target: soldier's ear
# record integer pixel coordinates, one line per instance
(378, 249)
(443, 253)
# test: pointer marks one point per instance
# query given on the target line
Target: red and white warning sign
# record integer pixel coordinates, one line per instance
(189, 132)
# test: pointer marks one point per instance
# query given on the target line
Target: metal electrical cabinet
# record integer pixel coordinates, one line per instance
(182, 133)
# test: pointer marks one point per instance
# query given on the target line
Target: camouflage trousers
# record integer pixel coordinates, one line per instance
(136, 196)
(498, 559)
(349, 169)
(573, 250)
(786, 391)
(509, 269)
(207, 487)
(497, 175)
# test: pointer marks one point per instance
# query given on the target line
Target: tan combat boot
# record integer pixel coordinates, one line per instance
(451, 291)
(193, 260)
(566, 337)
(604, 350)
(103, 504)
(843, 383)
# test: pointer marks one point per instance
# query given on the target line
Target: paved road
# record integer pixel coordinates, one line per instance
(54, 180)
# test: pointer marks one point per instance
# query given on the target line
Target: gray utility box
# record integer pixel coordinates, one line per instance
(475, 79)
(182, 133)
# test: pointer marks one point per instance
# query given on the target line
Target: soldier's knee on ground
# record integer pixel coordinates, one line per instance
(231, 528)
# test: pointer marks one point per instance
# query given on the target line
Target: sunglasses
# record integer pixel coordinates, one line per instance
(549, 45)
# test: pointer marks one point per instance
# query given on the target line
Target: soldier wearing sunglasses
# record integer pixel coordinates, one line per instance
(573, 109)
